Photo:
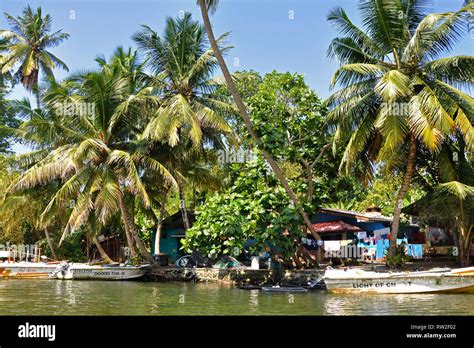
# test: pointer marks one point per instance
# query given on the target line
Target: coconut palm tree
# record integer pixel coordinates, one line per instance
(191, 114)
(3, 47)
(450, 200)
(398, 91)
(210, 6)
(24, 209)
(30, 38)
(454, 202)
(95, 154)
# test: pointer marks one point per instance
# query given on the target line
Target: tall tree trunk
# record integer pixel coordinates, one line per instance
(248, 123)
(36, 91)
(38, 103)
(411, 156)
(182, 205)
(159, 225)
(182, 199)
(102, 252)
(464, 250)
(308, 169)
(464, 257)
(126, 222)
(309, 183)
(132, 233)
(50, 243)
(464, 241)
(87, 248)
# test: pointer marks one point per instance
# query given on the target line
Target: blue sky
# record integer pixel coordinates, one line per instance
(285, 35)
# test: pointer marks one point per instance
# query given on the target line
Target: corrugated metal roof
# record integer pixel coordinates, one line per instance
(335, 226)
(359, 216)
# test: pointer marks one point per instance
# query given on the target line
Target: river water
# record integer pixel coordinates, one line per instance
(55, 297)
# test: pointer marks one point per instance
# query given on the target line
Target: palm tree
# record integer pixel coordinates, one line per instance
(24, 209)
(397, 93)
(191, 114)
(450, 200)
(207, 6)
(3, 47)
(30, 38)
(453, 201)
(195, 170)
(96, 155)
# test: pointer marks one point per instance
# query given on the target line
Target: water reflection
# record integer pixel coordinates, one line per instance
(51, 297)
(253, 300)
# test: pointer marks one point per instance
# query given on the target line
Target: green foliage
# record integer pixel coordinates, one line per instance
(73, 248)
(450, 199)
(186, 85)
(28, 40)
(383, 191)
(287, 116)
(398, 258)
(255, 207)
(395, 86)
(291, 121)
(92, 154)
(8, 119)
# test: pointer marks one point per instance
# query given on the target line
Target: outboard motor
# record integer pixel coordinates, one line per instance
(61, 270)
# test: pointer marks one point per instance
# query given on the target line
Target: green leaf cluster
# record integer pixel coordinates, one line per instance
(253, 209)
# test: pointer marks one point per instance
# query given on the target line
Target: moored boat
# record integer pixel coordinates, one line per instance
(358, 281)
(284, 289)
(74, 271)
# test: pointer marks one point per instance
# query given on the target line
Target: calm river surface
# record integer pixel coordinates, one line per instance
(55, 297)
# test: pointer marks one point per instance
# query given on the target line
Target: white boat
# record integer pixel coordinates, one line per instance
(459, 280)
(75, 271)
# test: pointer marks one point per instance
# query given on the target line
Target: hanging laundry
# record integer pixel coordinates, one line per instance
(435, 234)
(361, 235)
(381, 234)
(332, 245)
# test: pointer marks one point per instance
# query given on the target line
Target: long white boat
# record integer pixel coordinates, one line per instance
(459, 280)
(74, 271)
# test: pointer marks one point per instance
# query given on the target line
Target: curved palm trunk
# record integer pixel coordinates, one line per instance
(411, 156)
(50, 243)
(132, 234)
(102, 252)
(248, 123)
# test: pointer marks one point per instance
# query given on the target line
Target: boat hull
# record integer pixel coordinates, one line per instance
(78, 271)
(284, 289)
(410, 283)
(108, 273)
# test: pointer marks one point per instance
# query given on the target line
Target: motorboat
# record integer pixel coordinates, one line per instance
(74, 271)
(459, 280)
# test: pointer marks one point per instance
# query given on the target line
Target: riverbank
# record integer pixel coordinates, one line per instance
(236, 276)
(262, 276)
